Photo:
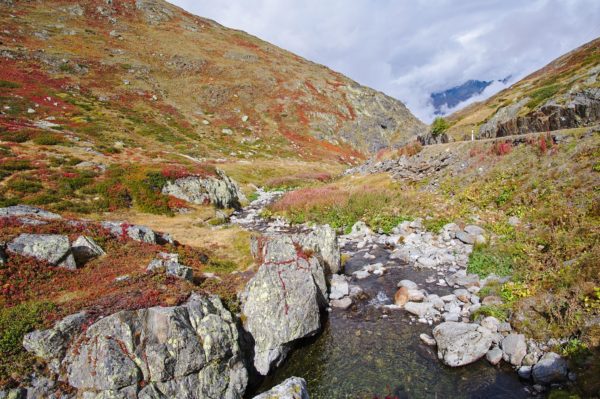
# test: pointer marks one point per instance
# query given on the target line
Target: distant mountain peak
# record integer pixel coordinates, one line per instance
(450, 98)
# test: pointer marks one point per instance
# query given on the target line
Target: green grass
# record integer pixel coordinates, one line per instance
(5, 84)
(541, 95)
(49, 139)
(15, 322)
(24, 185)
(435, 225)
(485, 261)
(500, 312)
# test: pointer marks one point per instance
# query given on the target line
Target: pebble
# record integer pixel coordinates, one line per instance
(428, 340)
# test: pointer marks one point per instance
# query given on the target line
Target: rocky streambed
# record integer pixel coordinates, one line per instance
(400, 322)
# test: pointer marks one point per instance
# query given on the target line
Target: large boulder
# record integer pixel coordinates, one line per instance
(26, 210)
(220, 191)
(282, 302)
(460, 344)
(188, 351)
(292, 388)
(322, 239)
(133, 231)
(550, 369)
(172, 267)
(51, 345)
(52, 248)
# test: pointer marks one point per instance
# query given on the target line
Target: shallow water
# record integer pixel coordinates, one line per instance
(373, 351)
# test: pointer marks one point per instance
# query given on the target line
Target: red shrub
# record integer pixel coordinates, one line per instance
(501, 148)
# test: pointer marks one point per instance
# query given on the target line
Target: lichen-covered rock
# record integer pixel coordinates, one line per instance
(85, 249)
(514, 349)
(221, 191)
(133, 231)
(282, 302)
(323, 240)
(26, 210)
(154, 11)
(188, 351)
(52, 248)
(170, 262)
(51, 345)
(461, 343)
(292, 388)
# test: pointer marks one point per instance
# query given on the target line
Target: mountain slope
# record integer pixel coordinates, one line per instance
(563, 94)
(150, 75)
(452, 97)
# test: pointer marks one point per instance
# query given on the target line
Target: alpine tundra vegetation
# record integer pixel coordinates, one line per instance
(187, 211)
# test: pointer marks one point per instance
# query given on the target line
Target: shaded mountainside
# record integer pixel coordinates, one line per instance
(564, 94)
(147, 74)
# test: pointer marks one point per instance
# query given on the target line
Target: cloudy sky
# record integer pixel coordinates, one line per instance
(411, 48)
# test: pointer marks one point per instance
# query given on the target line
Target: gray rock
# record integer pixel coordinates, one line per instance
(524, 372)
(52, 248)
(491, 323)
(465, 237)
(420, 309)
(135, 232)
(427, 339)
(514, 221)
(411, 285)
(51, 345)
(282, 302)
(322, 240)
(494, 355)
(85, 249)
(514, 349)
(220, 190)
(170, 262)
(339, 287)
(360, 228)
(451, 316)
(461, 343)
(26, 210)
(343, 303)
(189, 351)
(462, 295)
(491, 300)
(550, 369)
(292, 388)
(474, 230)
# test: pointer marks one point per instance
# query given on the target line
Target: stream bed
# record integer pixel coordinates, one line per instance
(372, 350)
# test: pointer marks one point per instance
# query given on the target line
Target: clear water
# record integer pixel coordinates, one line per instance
(370, 352)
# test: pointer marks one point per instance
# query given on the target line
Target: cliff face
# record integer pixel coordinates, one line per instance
(563, 94)
(147, 73)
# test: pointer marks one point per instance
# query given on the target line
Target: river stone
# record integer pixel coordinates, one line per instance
(292, 388)
(282, 302)
(550, 369)
(524, 372)
(53, 248)
(343, 303)
(26, 210)
(84, 249)
(219, 190)
(461, 343)
(189, 351)
(491, 323)
(427, 339)
(411, 285)
(339, 287)
(494, 355)
(462, 295)
(514, 349)
(420, 309)
(51, 345)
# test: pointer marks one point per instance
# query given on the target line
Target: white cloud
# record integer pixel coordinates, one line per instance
(409, 49)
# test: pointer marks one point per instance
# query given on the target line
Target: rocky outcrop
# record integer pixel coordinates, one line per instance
(429, 138)
(52, 248)
(220, 191)
(189, 351)
(292, 388)
(576, 109)
(85, 249)
(155, 11)
(172, 267)
(379, 121)
(460, 344)
(282, 302)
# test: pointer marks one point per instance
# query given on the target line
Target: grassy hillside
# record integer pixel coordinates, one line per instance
(557, 83)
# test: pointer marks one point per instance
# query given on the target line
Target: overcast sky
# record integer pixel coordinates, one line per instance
(410, 48)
